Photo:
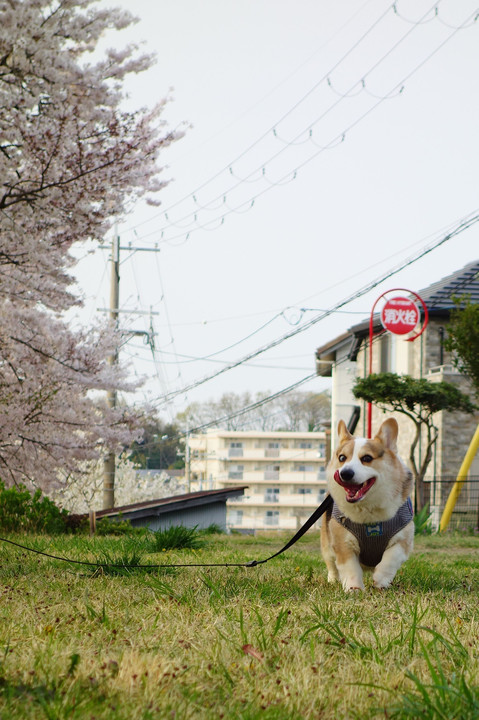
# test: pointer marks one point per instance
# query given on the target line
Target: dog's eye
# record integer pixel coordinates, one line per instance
(366, 459)
(342, 458)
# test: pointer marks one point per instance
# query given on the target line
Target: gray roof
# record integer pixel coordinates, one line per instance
(438, 296)
(172, 503)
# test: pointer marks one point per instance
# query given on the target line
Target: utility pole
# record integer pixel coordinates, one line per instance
(188, 461)
(109, 462)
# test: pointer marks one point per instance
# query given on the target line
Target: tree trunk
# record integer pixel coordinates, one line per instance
(420, 471)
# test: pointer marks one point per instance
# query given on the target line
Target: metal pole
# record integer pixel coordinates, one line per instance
(109, 462)
(188, 461)
(461, 476)
(370, 405)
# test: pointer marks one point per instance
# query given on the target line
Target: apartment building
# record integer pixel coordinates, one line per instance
(285, 475)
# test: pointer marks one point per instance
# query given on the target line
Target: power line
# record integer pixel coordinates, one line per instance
(291, 174)
(253, 406)
(267, 132)
(462, 225)
(221, 200)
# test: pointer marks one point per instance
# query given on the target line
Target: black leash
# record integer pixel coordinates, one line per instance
(324, 507)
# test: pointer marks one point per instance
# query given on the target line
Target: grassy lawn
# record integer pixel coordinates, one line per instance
(273, 642)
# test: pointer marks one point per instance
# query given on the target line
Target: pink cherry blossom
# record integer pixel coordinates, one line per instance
(71, 160)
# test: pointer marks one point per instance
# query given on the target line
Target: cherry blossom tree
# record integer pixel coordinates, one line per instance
(71, 159)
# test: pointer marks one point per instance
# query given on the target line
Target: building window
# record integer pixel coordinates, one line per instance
(271, 517)
(302, 467)
(235, 449)
(305, 491)
(271, 495)
(235, 517)
(272, 449)
(235, 472)
(271, 472)
(306, 445)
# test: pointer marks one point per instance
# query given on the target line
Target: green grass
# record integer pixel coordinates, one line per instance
(177, 537)
(275, 642)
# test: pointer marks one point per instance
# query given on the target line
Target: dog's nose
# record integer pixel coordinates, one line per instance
(346, 474)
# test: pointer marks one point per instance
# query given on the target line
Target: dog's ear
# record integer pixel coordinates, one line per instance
(343, 432)
(388, 433)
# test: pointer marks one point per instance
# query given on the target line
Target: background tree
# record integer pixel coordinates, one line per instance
(306, 411)
(70, 160)
(159, 447)
(463, 339)
(419, 400)
(294, 411)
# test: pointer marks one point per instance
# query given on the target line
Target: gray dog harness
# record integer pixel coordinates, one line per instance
(373, 539)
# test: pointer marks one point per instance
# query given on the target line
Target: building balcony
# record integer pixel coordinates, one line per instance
(277, 477)
(290, 500)
(254, 524)
(282, 454)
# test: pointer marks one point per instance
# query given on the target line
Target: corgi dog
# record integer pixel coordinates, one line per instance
(371, 522)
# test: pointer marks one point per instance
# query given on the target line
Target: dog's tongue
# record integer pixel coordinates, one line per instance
(354, 492)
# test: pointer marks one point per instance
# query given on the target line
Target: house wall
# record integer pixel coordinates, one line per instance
(343, 379)
(455, 429)
(422, 358)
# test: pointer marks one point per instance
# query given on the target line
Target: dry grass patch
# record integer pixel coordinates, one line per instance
(274, 642)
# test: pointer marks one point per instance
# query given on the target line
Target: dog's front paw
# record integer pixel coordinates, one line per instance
(352, 585)
(381, 581)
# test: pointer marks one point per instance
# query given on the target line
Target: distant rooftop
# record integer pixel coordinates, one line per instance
(465, 281)
(173, 502)
(438, 297)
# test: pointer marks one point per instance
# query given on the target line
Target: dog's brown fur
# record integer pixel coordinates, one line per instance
(366, 459)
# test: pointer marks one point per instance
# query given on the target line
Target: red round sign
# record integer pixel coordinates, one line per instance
(400, 315)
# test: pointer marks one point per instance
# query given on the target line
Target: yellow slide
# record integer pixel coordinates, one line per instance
(456, 489)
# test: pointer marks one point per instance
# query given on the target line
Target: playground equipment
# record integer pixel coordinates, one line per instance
(461, 476)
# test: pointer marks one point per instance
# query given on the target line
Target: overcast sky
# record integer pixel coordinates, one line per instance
(329, 142)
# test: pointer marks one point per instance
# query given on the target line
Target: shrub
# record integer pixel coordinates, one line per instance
(213, 529)
(77, 523)
(107, 526)
(422, 522)
(22, 511)
(177, 537)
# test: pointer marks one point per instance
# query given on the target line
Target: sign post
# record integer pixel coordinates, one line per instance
(399, 316)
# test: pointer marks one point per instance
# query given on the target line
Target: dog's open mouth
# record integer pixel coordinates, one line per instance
(354, 492)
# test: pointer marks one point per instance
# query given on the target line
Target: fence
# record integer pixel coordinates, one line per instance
(465, 516)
